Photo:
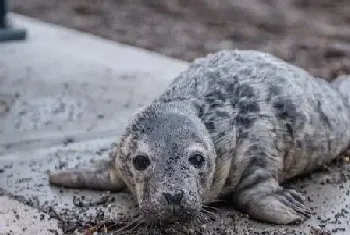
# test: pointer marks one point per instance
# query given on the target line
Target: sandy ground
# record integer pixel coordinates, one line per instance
(313, 34)
(19, 219)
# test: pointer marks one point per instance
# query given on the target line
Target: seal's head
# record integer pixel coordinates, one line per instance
(167, 160)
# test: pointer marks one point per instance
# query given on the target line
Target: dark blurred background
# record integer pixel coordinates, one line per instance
(313, 34)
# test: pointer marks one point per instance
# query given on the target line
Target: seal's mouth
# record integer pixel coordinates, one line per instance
(171, 217)
(171, 213)
(178, 213)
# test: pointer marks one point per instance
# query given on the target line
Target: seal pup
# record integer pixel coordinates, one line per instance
(235, 124)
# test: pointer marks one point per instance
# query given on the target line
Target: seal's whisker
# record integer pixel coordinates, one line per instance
(110, 227)
(212, 208)
(202, 218)
(209, 213)
(213, 201)
(130, 218)
(148, 225)
(125, 227)
(199, 220)
(152, 226)
(136, 225)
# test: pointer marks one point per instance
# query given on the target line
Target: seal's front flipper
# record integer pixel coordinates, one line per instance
(268, 202)
(103, 177)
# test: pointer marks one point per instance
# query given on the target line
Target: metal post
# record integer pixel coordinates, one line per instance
(6, 32)
(2, 13)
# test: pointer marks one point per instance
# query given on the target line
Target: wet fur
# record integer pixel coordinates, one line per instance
(268, 121)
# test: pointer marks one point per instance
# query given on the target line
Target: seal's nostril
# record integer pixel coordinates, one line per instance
(175, 197)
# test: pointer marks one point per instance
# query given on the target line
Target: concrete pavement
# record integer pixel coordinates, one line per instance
(65, 97)
(17, 218)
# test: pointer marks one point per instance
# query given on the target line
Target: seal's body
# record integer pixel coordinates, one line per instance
(234, 124)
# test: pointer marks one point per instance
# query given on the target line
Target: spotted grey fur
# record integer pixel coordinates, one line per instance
(257, 120)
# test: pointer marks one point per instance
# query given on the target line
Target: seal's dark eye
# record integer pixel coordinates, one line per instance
(141, 162)
(197, 160)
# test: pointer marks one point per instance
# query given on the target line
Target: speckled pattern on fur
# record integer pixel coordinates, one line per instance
(258, 121)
